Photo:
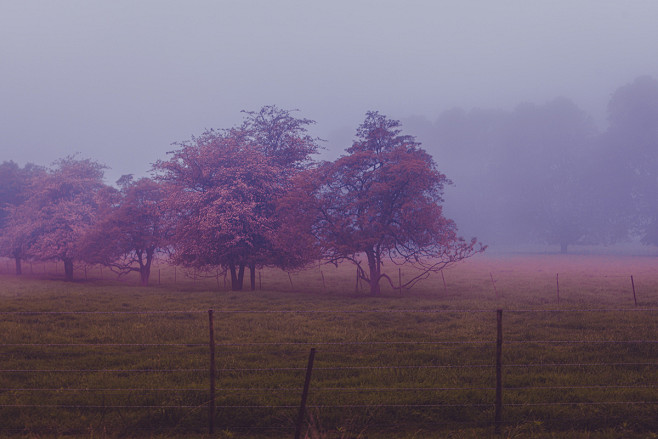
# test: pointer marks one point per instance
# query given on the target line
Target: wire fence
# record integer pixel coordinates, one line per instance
(558, 284)
(152, 372)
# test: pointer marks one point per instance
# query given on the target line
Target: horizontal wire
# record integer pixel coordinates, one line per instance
(291, 343)
(579, 387)
(104, 370)
(332, 406)
(578, 364)
(579, 403)
(192, 345)
(274, 369)
(328, 343)
(482, 404)
(66, 406)
(98, 312)
(333, 389)
(373, 311)
(100, 390)
(580, 341)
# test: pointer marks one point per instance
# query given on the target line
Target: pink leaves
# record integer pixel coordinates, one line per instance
(382, 199)
(223, 188)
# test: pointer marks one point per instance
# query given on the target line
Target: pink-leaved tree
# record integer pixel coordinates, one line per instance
(223, 188)
(14, 184)
(132, 226)
(380, 202)
(61, 206)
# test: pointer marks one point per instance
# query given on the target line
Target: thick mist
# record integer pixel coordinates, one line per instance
(515, 99)
(547, 174)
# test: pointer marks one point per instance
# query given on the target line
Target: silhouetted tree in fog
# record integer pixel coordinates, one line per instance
(14, 185)
(632, 145)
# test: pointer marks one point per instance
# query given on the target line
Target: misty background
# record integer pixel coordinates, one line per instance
(514, 99)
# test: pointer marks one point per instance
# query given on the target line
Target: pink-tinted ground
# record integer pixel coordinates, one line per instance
(528, 278)
(581, 278)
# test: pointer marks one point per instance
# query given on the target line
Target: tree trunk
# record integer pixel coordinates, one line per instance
(144, 274)
(240, 277)
(19, 269)
(237, 277)
(252, 276)
(145, 269)
(68, 269)
(375, 274)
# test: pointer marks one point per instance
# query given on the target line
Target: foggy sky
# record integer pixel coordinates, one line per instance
(119, 81)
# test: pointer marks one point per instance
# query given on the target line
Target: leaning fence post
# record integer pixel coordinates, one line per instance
(307, 383)
(211, 405)
(499, 372)
(633, 285)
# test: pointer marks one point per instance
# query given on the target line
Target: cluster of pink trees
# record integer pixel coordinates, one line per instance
(240, 199)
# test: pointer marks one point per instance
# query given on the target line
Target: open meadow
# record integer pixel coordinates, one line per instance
(104, 357)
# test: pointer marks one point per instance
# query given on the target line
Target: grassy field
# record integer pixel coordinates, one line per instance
(103, 357)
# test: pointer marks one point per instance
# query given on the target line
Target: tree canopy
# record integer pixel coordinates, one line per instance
(131, 227)
(222, 189)
(61, 205)
(382, 200)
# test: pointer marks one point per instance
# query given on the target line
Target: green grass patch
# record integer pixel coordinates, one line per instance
(106, 358)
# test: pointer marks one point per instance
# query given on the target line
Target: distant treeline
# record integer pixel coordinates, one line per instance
(547, 174)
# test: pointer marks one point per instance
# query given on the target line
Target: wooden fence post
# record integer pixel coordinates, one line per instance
(633, 285)
(211, 404)
(499, 372)
(445, 287)
(557, 283)
(307, 383)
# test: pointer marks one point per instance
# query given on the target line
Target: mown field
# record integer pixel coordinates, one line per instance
(103, 357)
